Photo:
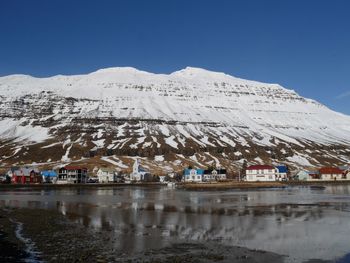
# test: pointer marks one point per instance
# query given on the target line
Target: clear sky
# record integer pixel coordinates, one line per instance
(301, 44)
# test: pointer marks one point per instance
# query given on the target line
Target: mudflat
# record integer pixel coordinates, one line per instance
(11, 249)
(54, 238)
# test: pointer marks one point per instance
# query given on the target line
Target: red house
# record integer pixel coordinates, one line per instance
(25, 175)
(331, 173)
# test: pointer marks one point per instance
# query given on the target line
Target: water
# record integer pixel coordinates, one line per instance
(300, 222)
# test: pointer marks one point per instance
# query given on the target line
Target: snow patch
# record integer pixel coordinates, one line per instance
(99, 143)
(159, 158)
(115, 162)
(11, 129)
(171, 141)
(51, 145)
(65, 156)
(299, 160)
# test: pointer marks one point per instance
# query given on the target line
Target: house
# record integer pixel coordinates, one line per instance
(281, 173)
(25, 175)
(214, 175)
(72, 175)
(49, 176)
(308, 175)
(5, 179)
(162, 178)
(346, 172)
(175, 176)
(139, 173)
(260, 173)
(302, 176)
(12, 170)
(106, 175)
(346, 175)
(172, 175)
(314, 175)
(324, 174)
(331, 173)
(193, 175)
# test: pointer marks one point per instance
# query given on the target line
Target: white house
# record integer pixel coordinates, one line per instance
(106, 175)
(264, 173)
(214, 175)
(281, 173)
(304, 175)
(162, 178)
(139, 173)
(72, 175)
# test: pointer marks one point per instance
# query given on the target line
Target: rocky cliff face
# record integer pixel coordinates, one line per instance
(192, 116)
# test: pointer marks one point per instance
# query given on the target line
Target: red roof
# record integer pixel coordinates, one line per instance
(260, 167)
(330, 170)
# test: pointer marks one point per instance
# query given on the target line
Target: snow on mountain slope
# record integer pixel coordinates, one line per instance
(128, 111)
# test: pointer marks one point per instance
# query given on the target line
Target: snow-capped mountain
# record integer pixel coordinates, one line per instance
(189, 116)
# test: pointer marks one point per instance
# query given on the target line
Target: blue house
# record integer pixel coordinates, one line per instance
(281, 172)
(193, 175)
(49, 176)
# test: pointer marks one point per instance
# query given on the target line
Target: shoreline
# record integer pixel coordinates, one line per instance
(256, 185)
(86, 185)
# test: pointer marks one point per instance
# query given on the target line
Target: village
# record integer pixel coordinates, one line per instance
(75, 174)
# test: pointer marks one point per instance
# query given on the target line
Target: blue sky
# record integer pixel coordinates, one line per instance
(302, 45)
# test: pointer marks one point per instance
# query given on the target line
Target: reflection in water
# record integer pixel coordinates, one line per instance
(299, 222)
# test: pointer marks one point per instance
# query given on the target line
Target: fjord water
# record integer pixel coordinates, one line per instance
(300, 222)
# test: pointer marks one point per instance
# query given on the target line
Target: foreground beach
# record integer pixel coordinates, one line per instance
(47, 236)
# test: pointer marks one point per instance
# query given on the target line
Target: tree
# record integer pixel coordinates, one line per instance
(211, 167)
(244, 168)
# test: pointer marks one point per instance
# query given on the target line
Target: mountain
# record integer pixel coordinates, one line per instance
(192, 116)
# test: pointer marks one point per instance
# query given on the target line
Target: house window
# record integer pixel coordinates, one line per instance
(270, 177)
(198, 177)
